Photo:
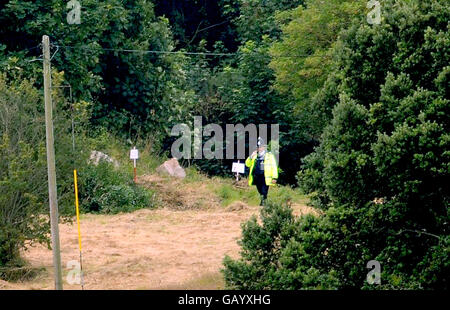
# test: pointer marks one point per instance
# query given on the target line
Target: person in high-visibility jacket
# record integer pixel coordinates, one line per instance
(263, 170)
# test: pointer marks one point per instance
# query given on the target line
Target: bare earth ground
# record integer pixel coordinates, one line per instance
(168, 248)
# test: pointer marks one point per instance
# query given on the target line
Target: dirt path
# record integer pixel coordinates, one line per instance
(148, 249)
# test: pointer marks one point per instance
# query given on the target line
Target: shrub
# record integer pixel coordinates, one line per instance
(331, 252)
(104, 189)
(386, 152)
(380, 173)
(23, 167)
(281, 253)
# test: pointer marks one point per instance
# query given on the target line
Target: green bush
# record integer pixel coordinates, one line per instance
(21, 201)
(385, 154)
(125, 198)
(331, 252)
(283, 252)
(104, 189)
(23, 166)
(381, 172)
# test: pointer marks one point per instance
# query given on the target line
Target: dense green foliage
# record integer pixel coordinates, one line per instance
(196, 21)
(23, 167)
(283, 252)
(134, 92)
(104, 189)
(239, 89)
(309, 30)
(363, 112)
(380, 173)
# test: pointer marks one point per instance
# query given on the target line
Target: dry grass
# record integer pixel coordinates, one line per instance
(179, 246)
(176, 194)
(149, 249)
(208, 281)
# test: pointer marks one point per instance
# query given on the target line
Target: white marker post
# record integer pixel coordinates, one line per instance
(238, 168)
(134, 155)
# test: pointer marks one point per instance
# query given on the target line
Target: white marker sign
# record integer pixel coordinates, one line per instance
(238, 168)
(134, 154)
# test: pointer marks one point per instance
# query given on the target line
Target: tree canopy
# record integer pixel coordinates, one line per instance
(362, 107)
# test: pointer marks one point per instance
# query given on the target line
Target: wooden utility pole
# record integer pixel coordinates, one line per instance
(51, 169)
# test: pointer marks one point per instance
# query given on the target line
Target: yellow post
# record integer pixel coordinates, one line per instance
(78, 223)
(77, 208)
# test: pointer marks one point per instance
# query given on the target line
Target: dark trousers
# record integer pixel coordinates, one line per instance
(260, 183)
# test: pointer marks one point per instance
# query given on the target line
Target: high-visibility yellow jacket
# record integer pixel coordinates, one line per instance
(270, 168)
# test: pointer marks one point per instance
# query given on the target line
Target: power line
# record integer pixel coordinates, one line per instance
(27, 49)
(119, 50)
(142, 51)
(32, 48)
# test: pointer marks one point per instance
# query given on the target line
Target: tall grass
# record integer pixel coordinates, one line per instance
(228, 193)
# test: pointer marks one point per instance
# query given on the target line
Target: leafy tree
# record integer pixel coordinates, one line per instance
(385, 149)
(380, 172)
(367, 79)
(309, 30)
(240, 89)
(133, 92)
(23, 165)
(257, 18)
(283, 252)
(254, 98)
(196, 21)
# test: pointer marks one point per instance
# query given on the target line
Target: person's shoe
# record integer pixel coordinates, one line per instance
(263, 202)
